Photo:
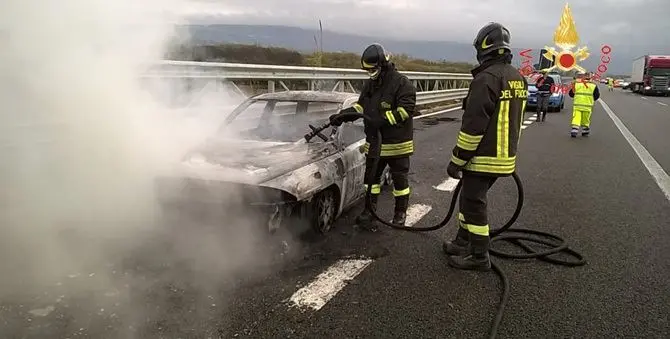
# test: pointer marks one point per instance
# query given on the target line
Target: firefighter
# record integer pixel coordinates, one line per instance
(388, 98)
(486, 147)
(544, 86)
(585, 93)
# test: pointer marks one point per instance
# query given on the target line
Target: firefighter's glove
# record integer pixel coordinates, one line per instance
(344, 116)
(396, 116)
(454, 170)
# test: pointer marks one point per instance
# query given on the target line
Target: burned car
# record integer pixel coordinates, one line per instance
(260, 161)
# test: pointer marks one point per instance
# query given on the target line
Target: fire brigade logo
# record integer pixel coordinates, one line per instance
(566, 38)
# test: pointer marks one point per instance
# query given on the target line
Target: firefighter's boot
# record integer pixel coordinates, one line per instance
(366, 220)
(585, 131)
(458, 246)
(574, 131)
(400, 215)
(478, 257)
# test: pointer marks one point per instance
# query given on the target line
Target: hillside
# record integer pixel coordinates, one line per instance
(255, 54)
(303, 40)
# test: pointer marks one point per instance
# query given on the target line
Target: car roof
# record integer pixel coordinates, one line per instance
(323, 96)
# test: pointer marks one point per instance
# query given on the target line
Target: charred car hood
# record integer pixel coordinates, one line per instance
(249, 162)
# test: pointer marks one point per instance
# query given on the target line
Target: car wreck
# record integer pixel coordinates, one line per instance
(259, 161)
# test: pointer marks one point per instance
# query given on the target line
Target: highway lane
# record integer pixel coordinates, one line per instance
(646, 119)
(594, 192)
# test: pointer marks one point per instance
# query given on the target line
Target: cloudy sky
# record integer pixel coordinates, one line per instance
(627, 25)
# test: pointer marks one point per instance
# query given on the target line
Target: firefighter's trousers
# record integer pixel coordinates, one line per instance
(399, 167)
(581, 118)
(473, 209)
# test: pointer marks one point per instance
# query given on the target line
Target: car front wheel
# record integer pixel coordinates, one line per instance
(323, 211)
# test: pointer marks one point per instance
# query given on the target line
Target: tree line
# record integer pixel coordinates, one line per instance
(256, 54)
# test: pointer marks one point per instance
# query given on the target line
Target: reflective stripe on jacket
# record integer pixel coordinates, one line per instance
(584, 96)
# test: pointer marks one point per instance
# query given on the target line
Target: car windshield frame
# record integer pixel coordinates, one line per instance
(273, 124)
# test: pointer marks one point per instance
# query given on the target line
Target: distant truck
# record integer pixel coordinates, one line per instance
(651, 75)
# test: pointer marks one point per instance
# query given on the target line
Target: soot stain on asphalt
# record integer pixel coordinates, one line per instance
(435, 121)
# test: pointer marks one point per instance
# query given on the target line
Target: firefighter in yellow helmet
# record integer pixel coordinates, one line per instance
(486, 147)
(388, 98)
(585, 94)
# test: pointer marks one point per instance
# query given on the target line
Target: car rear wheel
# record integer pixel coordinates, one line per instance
(324, 209)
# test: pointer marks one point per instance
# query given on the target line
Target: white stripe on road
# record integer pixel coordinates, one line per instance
(644, 98)
(656, 171)
(527, 122)
(415, 213)
(327, 284)
(524, 127)
(661, 103)
(532, 118)
(447, 185)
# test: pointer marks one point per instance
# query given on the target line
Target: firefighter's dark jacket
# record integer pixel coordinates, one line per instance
(390, 97)
(493, 114)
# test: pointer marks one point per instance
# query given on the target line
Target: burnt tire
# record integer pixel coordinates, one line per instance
(323, 211)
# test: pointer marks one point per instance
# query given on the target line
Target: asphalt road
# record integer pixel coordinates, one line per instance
(595, 192)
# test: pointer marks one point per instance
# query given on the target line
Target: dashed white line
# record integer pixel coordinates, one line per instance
(527, 122)
(644, 98)
(415, 213)
(328, 283)
(657, 172)
(447, 185)
(532, 118)
(524, 126)
(661, 103)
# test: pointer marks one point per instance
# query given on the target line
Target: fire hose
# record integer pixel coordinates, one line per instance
(514, 236)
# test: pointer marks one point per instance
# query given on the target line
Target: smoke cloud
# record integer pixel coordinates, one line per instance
(82, 140)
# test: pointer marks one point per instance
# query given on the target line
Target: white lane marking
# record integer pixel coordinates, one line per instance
(644, 98)
(527, 122)
(532, 118)
(524, 126)
(438, 112)
(415, 213)
(657, 172)
(661, 103)
(447, 185)
(328, 283)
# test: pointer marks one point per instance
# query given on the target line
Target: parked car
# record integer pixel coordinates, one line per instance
(260, 162)
(556, 100)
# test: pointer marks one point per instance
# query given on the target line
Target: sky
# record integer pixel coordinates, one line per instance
(636, 27)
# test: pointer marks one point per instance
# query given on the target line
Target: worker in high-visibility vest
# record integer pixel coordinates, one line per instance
(585, 94)
(610, 84)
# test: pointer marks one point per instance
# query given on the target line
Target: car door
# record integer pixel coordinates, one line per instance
(352, 138)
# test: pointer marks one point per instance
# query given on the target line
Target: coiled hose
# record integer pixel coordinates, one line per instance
(513, 235)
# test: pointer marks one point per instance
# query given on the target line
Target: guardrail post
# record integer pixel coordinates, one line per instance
(271, 86)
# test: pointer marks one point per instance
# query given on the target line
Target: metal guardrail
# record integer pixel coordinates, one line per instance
(432, 88)
(434, 97)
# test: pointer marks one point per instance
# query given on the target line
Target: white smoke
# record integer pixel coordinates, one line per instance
(82, 140)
